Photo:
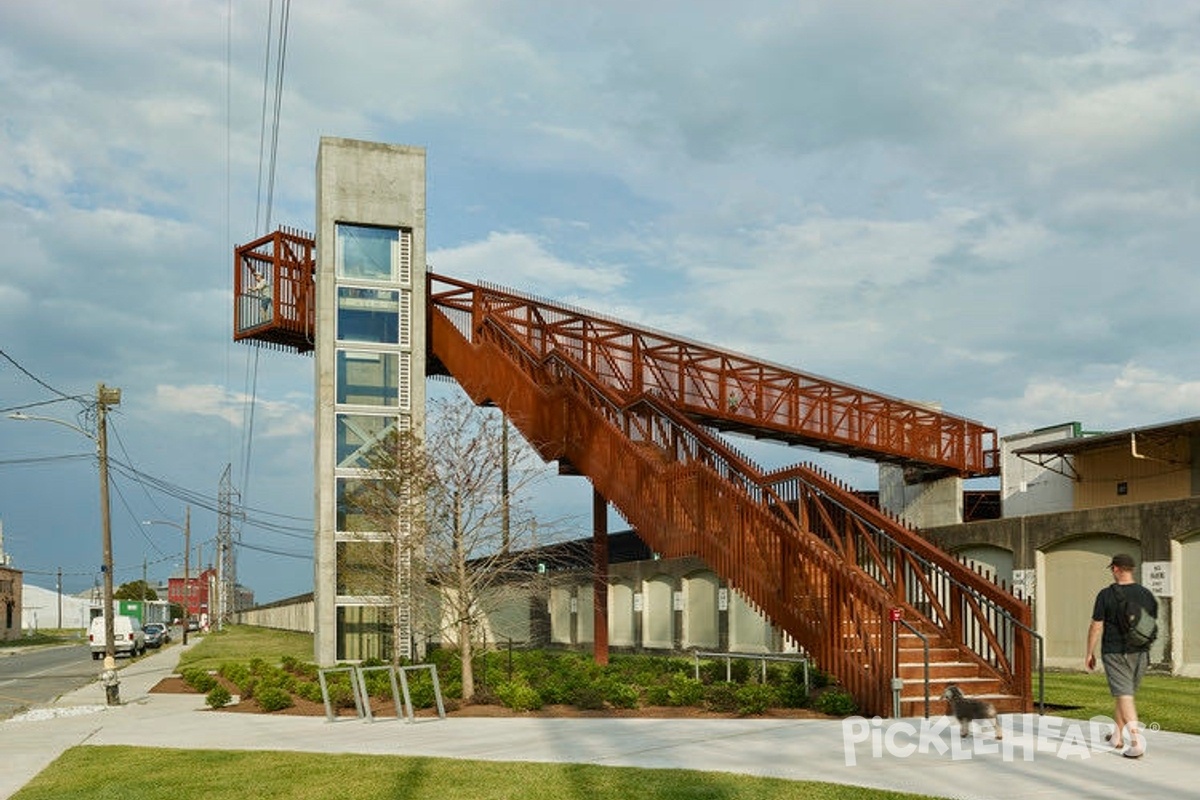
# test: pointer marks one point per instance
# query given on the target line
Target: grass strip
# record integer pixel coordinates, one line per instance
(102, 772)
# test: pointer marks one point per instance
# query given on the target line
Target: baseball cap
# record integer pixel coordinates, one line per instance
(1122, 560)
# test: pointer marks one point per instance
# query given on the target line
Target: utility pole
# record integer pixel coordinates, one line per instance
(58, 586)
(187, 584)
(106, 396)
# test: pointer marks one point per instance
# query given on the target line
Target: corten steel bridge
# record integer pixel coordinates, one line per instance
(638, 412)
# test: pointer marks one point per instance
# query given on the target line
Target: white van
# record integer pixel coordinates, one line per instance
(127, 637)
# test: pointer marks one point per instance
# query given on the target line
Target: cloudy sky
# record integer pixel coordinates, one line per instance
(993, 206)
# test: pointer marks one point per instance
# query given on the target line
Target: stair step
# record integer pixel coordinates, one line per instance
(939, 669)
(915, 706)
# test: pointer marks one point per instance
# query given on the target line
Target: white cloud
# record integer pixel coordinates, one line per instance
(517, 259)
(272, 418)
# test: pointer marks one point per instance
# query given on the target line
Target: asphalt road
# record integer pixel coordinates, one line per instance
(39, 675)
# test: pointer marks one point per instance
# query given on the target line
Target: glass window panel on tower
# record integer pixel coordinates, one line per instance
(370, 379)
(367, 253)
(368, 315)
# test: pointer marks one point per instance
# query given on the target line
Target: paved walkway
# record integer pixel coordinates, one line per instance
(1043, 757)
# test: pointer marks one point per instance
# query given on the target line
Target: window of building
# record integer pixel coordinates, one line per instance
(358, 433)
(365, 568)
(357, 505)
(367, 253)
(369, 379)
(364, 632)
(368, 315)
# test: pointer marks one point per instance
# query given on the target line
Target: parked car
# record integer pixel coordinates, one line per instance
(193, 625)
(128, 636)
(156, 634)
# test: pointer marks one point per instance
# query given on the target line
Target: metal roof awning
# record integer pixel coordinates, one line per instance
(1142, 443)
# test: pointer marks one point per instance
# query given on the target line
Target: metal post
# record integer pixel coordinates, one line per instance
(105, 397)
(599, 578)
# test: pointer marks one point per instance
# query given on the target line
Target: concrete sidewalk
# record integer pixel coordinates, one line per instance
(1043, 757)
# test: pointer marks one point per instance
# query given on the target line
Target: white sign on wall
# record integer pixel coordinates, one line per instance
(722, 599)
(677, 601)
(1024, 583)
(1156, 576)
(637, 601)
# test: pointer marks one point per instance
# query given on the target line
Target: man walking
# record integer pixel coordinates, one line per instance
(1124, 664)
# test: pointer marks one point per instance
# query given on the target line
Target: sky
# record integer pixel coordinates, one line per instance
(991, 206)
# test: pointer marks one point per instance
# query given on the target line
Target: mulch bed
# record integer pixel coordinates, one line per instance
(306, 708)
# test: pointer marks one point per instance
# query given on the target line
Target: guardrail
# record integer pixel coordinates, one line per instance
(797, 658)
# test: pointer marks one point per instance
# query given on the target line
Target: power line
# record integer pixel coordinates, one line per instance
(35, 378)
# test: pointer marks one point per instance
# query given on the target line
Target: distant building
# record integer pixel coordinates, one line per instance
(10, 599)
(10, 594)
(1071, 499)
(194, 594)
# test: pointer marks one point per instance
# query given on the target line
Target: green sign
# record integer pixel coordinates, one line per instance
(130, 608)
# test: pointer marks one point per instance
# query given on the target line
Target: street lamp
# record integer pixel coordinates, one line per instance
(105, 396)
(186, 527)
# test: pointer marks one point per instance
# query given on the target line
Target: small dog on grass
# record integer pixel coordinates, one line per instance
(965, 709)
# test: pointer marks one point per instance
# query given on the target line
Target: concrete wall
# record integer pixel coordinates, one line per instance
(1065, 555)
(923, 504)
(1027, 487)
(288, 615)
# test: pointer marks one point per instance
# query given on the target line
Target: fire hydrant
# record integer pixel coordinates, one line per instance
(111, 681)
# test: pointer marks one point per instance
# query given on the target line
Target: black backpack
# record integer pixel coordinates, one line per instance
(1138, 626)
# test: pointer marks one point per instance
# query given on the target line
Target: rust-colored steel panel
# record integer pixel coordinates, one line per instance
(273, 290)
(825, 566)
(731, 391)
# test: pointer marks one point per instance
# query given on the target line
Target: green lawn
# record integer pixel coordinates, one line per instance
(97, 773)
(46, 636)
(241, 643)
(1170, 702)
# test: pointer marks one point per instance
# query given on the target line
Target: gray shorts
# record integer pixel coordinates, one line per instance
(1125, 671)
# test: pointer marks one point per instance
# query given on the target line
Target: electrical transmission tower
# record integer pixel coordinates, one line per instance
(228, 530)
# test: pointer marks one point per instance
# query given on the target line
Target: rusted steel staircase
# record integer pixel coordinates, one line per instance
(637, 412)
(633, 410)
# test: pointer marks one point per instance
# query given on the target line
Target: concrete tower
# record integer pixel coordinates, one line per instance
(370, 379)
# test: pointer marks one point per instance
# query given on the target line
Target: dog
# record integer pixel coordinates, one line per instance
(965, 709)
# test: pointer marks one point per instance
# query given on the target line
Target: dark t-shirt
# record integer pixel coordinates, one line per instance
(1105, 610)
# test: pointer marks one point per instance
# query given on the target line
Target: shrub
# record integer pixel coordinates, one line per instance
(589, 697)
(621, 695)
(234, 672)
(273, 698)
(379, 684)
(310, 691)
(420, 692)
(721, 696)
(218, 697)
(837, 703)
(755, 698)
(341, 695)
(519, 696)
(683, 691)
(199, 680)
(300, 669)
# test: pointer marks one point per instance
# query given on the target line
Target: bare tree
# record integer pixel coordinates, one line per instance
(455, 504)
